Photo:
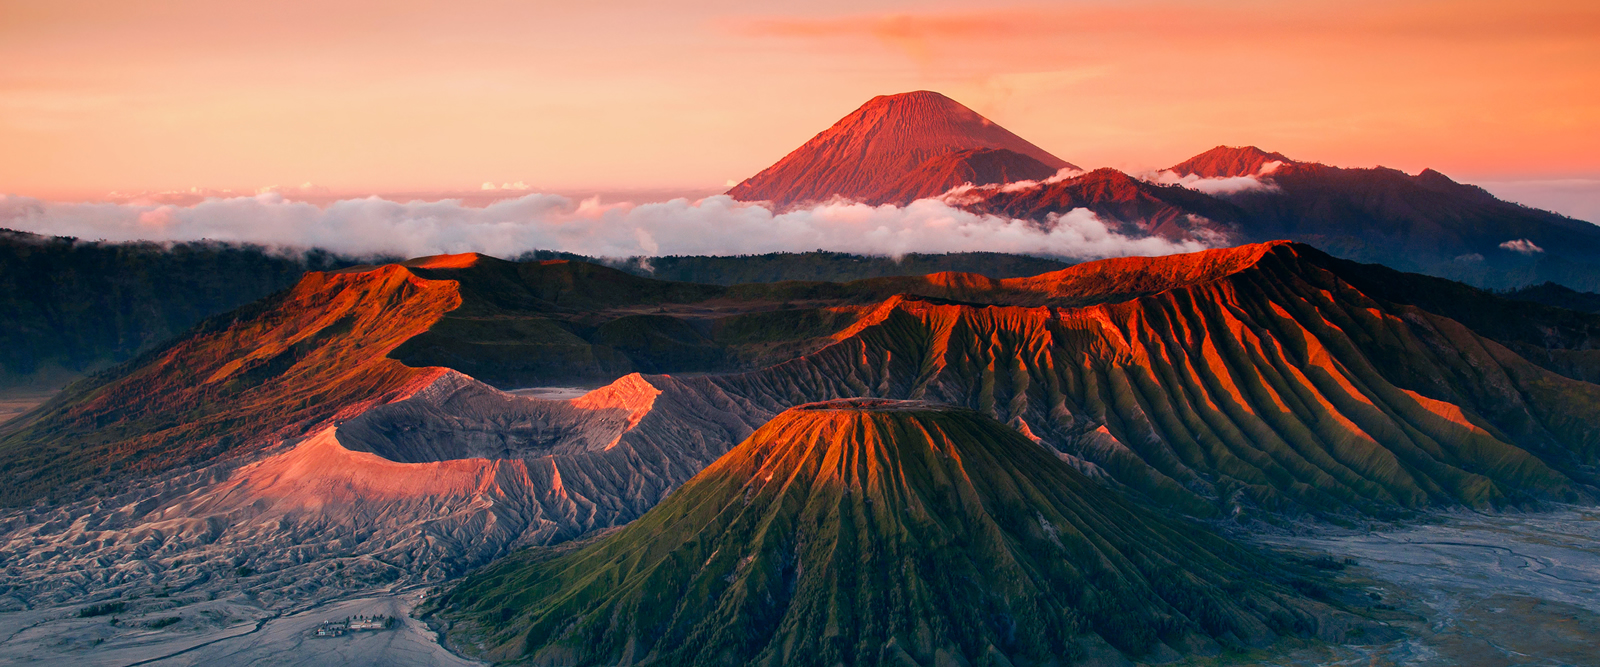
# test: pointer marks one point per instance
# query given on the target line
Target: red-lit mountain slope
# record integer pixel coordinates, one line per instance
(267, 371)
(339, 343)
(1251, 376)
(878, 144)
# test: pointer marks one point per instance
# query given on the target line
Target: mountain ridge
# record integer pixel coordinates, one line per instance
(1235, 385)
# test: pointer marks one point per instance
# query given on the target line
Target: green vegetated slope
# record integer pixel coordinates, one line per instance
(883, 532)
(73, 307)
(1254, 376)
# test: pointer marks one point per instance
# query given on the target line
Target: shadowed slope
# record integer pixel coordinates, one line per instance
(1128, 205)
(269, 370)
(1427, 222)
(1384, 215)
(885, 139)
(878, 532)
(70, 307)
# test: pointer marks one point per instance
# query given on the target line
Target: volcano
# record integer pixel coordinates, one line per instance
(872, 531)
(886, 139)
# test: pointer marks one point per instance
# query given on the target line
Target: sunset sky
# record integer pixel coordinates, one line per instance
(405, 95)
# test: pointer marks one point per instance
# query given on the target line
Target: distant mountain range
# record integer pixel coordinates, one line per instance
(73, 307)
(898, 148)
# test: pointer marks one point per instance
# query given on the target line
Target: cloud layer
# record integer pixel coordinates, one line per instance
(712, 226)
(1217, 186)
(1523, 246)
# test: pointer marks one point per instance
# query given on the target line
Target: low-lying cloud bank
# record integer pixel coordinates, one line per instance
(1226, 185)
(712, 226)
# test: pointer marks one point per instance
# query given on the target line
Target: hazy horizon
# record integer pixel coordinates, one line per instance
(113, 96)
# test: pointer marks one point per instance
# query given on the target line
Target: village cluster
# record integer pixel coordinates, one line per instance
(354, 624)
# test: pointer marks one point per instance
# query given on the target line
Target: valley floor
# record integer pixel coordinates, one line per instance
(1478, 590)
(15, 402)
(227, 632)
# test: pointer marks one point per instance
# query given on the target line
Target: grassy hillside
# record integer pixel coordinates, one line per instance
(881, 532)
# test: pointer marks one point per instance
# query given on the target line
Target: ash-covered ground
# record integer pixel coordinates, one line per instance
(1475, 590)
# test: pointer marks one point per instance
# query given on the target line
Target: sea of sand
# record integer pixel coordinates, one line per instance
(229, 631)
(1471, 589)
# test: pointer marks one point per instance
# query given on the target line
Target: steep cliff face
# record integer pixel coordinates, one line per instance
(887, 138)
(873, 532)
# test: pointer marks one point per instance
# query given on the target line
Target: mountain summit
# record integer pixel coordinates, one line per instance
(1229, 161)
(887, 138)
(874, 531)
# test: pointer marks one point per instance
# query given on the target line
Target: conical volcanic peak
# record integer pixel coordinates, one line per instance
(881, 532)
(881, 142)
(1228, 162)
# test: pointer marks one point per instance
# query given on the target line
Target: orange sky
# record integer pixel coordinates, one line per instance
(97, 95)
